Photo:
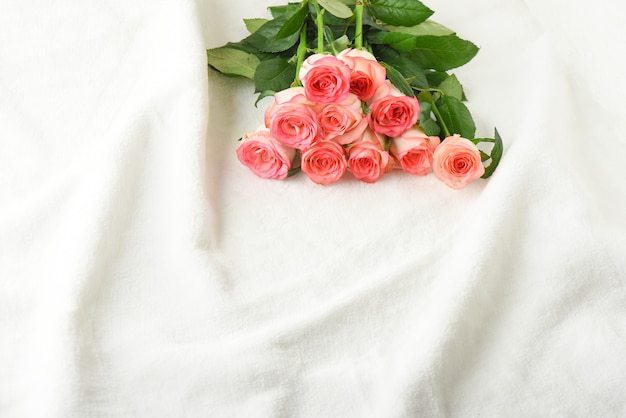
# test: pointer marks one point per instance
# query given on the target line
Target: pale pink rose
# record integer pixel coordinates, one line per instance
(326, 79)
(342, 122)
(392, 114)
(265, 156)
(294, 124)
(367, 74)
(367, 159)
(414, 151)
(292, 94)
(324, 162)
(457, 162)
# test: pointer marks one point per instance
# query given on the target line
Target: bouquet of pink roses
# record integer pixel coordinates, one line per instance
(358, 88)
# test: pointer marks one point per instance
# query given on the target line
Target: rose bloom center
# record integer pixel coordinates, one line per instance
(324, 83)
(365, 163)
(414, 157)
(461, 165)
(325, 163)
(264, 155)
(398, 112)
(293, 126)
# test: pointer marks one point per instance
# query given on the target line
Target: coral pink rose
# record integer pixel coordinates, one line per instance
(457, 162)
(326, 79)
(265, 156)
(414, 151)
(324, 163)
(367, 159)
(292, 94)
(385, 89)
(391, 112)
(291, 118)
(295, 125)
(342, 122)
(367, 74)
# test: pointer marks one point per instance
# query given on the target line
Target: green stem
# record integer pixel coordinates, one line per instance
(301, 55)
(358, 14)
(446, 131)
(319, 20)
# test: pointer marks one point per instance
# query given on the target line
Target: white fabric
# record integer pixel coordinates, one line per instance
(145, 273)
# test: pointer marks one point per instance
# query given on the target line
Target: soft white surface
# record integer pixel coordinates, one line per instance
(145, 273)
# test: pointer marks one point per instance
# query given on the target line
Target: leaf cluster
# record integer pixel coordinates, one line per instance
(417, 53)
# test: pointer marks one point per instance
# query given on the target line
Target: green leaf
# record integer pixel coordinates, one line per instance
(457, 117)
(425, 96)
(426, 109)
(411, 71)
(277, 11)
(435, 52)
(287, 9)
(428, 27)
(399, 12)
(294, 23)
(435, 78)
(443, 52)
(294, 171)
(254, 24)
(430, 127)
(369, 21)
(341, 43)
(242, 46)
(329, 37)
(336, 8)
(376, 37)
(274, 75)
(233, 62)
(402, 42)
(496, 155)
(264, 39)
(425, 120)
(398, 80)
(263, 95)
(452, 87)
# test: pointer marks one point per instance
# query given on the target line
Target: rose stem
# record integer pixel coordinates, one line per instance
(440, 119)
(358, 36)
(301, 55)
(319, 20)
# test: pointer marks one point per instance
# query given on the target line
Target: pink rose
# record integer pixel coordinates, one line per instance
(292, 94)
(367, 158)
(324, 162)
(367, 74)
(385, 89)
(294, 125)
(391, 113)
(457, 162)
(326, 79)
(265, 156)
(342, 122)
(414, 151)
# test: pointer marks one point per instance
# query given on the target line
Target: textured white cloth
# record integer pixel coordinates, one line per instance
(145, 273)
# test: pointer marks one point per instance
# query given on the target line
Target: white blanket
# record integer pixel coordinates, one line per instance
(145, 273)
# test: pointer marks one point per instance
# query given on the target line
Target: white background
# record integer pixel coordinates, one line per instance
(145, 272)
